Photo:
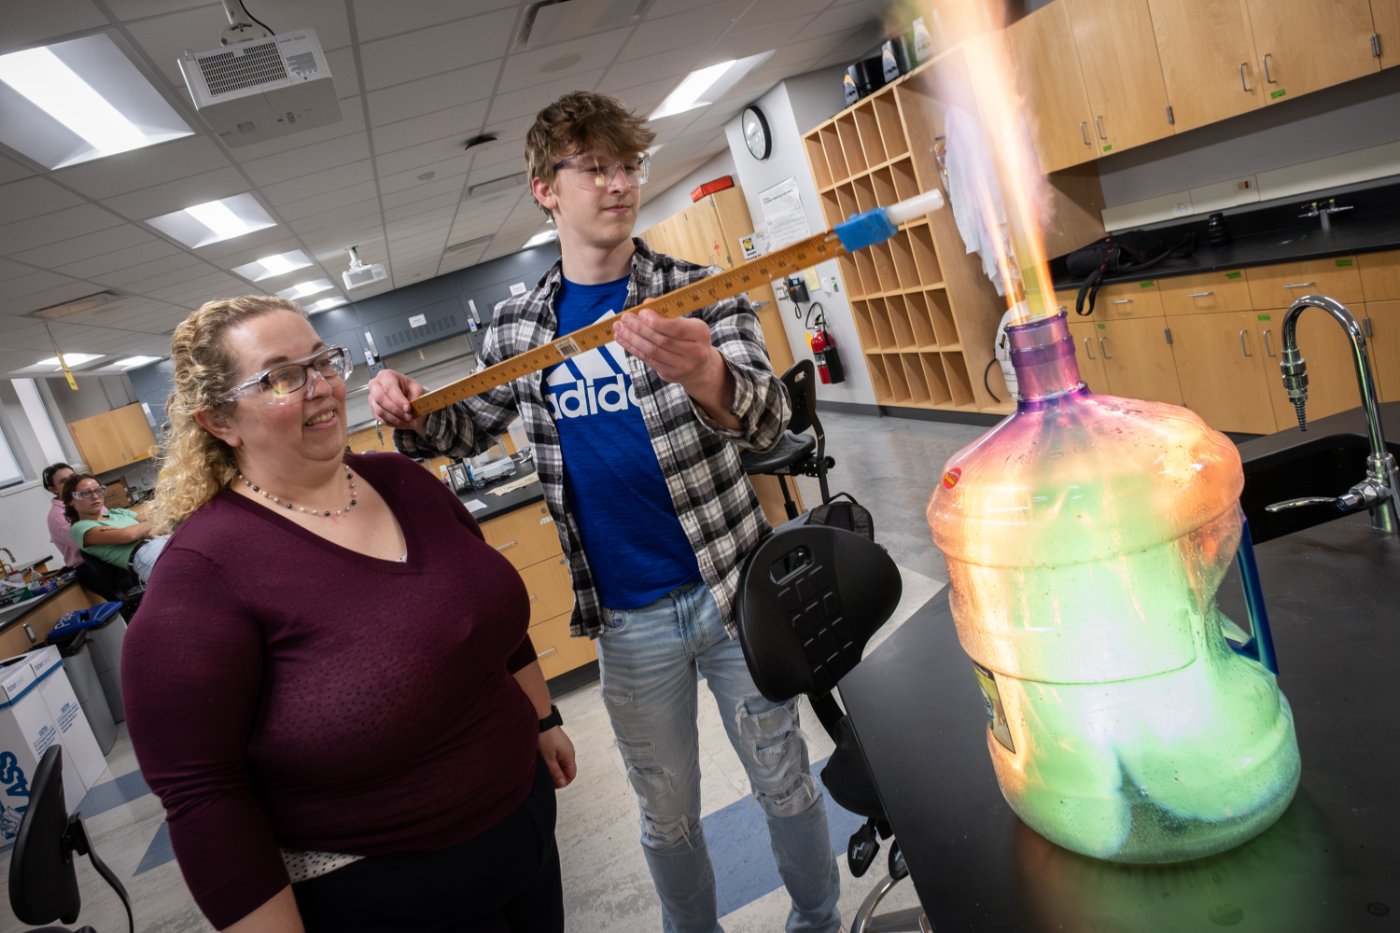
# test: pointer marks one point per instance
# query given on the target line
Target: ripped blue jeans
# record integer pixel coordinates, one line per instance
(649, 659)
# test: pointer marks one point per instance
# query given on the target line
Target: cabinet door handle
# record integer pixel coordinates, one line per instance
(1243, 85)
(1244, 347)
(1103, 348)
(1300, 285)
(1122, 301)
(509, 544)
(1088, 349)
(545, 653)
(1199, 294)
(1268, 347)
(1268, 72)
(1098, 125)
(534, 596)
(29, 633)
(1084, 131)
(1061, 307)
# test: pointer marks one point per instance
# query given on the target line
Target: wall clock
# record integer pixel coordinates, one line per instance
(756, 135)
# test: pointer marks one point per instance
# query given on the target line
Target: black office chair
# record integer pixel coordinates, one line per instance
(112, 583)
(43, 878)
(810, 597)
(797, 453)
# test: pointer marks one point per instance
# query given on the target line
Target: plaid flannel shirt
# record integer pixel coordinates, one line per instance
(712, 495)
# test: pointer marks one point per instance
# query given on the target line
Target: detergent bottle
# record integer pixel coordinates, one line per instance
(1086, 537)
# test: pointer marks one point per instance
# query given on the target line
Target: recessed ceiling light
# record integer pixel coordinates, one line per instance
(214, 221)
(79, 100)
(544, 236)
(324, 304)
(702, 88)
(131, 362)
(51, 364)
(311, 287)
(276, 264)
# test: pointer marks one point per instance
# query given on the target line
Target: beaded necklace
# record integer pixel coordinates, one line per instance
(325, 513)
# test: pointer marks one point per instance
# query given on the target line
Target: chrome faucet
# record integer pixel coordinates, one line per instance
(1379, 492)
(1325, 211)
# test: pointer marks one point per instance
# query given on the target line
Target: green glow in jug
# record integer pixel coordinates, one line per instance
(1086, 537)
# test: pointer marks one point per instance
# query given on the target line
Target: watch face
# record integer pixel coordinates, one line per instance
(756, 133)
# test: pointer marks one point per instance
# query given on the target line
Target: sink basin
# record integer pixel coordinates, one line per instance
(1316, 465)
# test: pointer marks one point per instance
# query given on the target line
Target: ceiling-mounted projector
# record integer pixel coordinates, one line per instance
(262, 88)
(362, 273)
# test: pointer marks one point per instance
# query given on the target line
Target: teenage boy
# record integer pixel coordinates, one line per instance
(637, 446)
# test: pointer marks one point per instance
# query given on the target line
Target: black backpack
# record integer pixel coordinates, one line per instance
(1121, 252)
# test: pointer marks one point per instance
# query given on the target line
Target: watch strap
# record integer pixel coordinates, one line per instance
(552, 720)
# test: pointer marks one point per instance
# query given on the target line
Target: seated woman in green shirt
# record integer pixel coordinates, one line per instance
(120, 537)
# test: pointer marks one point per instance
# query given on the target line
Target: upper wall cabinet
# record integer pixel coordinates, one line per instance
(1208, 61)
(1305, 45)
(1122, 75)
(1042, 46)
(1386, 16)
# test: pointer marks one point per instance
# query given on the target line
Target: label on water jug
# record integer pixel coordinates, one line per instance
(996, 713)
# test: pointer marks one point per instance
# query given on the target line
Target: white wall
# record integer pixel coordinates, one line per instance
(24, 509)
(792, 108)
(658, 205)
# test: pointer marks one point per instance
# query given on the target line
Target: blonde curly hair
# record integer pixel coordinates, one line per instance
(196, 464)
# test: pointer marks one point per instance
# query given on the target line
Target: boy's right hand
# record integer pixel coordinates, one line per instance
(390, 393)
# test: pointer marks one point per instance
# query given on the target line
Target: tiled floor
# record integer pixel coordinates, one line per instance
(888, 464)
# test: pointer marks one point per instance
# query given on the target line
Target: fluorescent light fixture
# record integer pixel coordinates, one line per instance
(276, 264)
(51, 364)
(544, 236)
(704, 87)
(214, 221)
(324, 304)
(80, 100)
(131, 362)
(309, 287)
(687, 94)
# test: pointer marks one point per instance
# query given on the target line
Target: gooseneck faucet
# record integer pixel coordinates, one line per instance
(1380, 490)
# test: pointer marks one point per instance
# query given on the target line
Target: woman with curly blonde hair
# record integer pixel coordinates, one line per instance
(302, 793)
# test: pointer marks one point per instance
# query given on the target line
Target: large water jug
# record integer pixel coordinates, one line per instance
(1086, 537)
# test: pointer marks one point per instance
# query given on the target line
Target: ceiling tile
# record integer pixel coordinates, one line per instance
(30, 197)
(402, 181)
(346, 76)
(178, 194)
(121, 278)
(50, 228)
(40, 23)
(438, 92)
(330, 200)
(424, 52)
(444, 191)
(697, 28)
(357, 176)
(54, 296)
(376, 19)
(555, 62)
(456, 122)
(31, 284)
(76, 249)
(98, 266)
(144, 168)
(665, 69)
(140, 9)
(307, 160)
(11, 170)
(531, 100)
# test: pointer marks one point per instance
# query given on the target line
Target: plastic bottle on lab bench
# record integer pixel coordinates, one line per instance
(1086, 536)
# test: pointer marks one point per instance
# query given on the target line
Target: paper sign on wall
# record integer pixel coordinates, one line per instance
(749, 245)
(783, 216)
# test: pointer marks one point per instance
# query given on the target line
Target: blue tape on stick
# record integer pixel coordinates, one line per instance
(862, 230)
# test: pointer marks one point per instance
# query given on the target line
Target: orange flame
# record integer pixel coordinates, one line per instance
(976, 74)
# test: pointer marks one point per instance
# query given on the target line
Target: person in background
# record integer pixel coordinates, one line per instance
(637, 446)
(60, 529)
(330, 684)
(117, 536)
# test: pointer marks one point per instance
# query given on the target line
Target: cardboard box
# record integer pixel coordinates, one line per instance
(26, 732)
(81, 752)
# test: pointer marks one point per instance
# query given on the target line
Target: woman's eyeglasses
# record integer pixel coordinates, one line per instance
(590, 172)
(280, 384)
(98, 493)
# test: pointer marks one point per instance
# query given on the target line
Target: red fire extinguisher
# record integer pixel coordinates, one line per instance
(828, 360)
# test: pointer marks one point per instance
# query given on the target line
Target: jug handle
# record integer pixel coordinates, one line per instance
(1260, 646)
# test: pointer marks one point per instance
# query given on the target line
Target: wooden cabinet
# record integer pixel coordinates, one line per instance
(1208, 62)
(1384, 346)
(1306, 45)
(1138, 360)
(1380, 275)
(113, 439)
(1205, 292)
(1122, 74)
(1048, 75)
(1385, 16)
(1090, 358)
(1280, 284)
(1224, 374)
(925, 313)
(528, 539)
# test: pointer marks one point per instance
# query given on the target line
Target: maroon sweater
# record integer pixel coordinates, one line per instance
(281, 690)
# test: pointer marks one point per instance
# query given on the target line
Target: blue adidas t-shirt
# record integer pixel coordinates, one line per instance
(634, 541)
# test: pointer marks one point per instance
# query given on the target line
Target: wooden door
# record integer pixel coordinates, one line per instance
(1122, 74)
(1380, 274)
(1384, 347)
(1048, 76)
(1220, 365)
(1385, 15)
(1306, 45)
(1090, 357)
(1138, 360)
(1208, 61)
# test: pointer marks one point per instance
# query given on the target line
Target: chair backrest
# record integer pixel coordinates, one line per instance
(801, 383)
(810, 597)
(43, 882)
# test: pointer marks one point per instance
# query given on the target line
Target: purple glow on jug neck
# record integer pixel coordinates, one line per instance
(1042, 353)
